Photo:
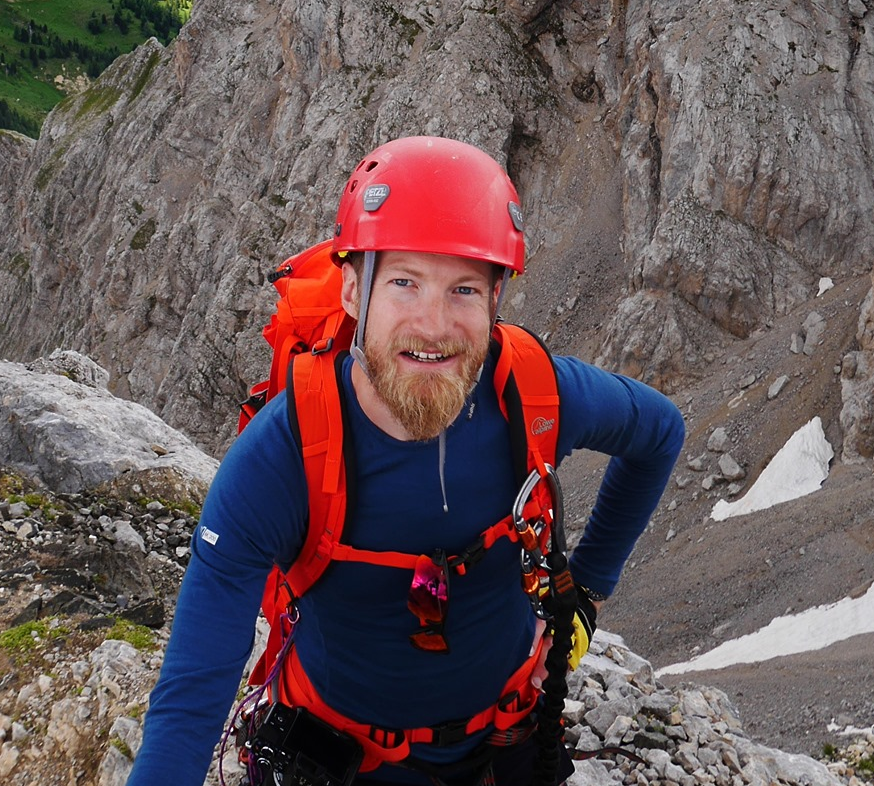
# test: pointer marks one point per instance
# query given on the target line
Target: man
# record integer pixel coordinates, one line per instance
(428, 232)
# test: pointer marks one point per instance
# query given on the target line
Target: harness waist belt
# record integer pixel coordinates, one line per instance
(380, 745)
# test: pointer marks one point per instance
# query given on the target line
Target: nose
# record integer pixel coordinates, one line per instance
(433, 315)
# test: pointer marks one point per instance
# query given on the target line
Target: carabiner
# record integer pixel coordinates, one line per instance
(559, 541)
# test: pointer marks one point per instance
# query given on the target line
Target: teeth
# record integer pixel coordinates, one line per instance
(426, 356)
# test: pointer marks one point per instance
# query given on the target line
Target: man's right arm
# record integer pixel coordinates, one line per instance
(254, 515)
(209, 645)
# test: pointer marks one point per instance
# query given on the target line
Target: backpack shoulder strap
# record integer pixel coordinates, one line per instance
(317, 414)
(527, 388)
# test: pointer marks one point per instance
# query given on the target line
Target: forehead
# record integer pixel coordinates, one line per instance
(435, 266)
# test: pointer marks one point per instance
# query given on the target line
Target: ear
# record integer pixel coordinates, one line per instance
(496, 295)
(349, 295)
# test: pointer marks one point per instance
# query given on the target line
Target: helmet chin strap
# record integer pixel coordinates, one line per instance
(357, 348)
(505, 279)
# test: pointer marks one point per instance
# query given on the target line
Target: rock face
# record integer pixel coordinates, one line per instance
(689, 172)
(742, 165)
(857, 389)
(72, 435)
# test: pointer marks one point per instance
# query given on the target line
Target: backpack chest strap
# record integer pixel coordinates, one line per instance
(460, 563)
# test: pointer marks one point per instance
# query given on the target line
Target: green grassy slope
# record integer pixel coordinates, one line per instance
(43, 39)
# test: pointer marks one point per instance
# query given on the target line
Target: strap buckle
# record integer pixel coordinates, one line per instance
(323, 345)
(449, 733)
(254, 403)
(469, 557)
(284, 270)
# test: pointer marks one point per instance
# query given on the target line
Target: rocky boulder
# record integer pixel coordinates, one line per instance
(73, 435)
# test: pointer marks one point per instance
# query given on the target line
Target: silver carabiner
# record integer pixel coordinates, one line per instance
(559, 540)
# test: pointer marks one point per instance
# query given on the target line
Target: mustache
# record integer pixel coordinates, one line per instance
(445, 347)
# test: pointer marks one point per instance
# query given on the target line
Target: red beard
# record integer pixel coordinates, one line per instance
(428, 401)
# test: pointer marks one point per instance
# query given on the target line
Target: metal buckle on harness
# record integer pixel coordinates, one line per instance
(449, 733)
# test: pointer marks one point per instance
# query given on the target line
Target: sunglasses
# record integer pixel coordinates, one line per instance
(429, 601)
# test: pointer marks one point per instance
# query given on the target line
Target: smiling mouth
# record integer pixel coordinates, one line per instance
(426, 357)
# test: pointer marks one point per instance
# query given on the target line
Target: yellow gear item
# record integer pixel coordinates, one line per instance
(579, 643)
(579, 639)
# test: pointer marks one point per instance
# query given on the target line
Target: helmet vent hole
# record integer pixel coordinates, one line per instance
(371, 166)
(353, 185)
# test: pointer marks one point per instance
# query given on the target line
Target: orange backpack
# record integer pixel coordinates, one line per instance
(308, 315)
(308, 333)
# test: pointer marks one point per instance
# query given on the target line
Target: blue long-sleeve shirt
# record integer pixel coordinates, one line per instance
(352, 637)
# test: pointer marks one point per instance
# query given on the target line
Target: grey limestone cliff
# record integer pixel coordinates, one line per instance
(689, 171)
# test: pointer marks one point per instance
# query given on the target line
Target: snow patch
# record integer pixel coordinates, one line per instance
(825, 284)
(812, 629)
(798, 469)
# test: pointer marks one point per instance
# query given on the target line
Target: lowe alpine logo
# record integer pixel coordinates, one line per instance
(542, 425)
(374, 196)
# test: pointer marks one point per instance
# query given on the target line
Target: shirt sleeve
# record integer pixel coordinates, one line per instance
(643, 432)
(254, 516)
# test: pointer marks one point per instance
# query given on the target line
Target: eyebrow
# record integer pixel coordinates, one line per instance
(405, 268)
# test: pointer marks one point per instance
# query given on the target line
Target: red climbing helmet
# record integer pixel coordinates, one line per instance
(432, 195)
